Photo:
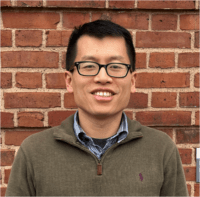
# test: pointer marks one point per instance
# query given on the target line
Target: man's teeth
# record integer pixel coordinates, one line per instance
(106, 94)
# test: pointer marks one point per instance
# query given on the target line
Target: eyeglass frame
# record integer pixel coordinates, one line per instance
(100, 66)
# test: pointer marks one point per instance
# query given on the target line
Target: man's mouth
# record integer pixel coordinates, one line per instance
(103, 94)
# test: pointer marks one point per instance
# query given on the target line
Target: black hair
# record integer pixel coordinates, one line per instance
(99, 29)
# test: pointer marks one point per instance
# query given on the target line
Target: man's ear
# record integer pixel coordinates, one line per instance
(68, 81)
(133, 80)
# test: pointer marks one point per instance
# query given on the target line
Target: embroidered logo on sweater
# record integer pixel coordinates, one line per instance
(141, 178)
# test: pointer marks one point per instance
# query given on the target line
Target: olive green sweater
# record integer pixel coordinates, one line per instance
(54, 163)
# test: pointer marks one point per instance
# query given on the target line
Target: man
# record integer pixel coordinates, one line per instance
(98, 151)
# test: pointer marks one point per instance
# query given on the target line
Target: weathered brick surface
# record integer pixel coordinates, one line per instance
(58, 38)
(64, 60)
(138, 100)
(29, 59)
(197, 118)
(56, 117)
(163, 80)
(163, 39)
(164, 118)
(189, 189)
(196, 189)
(28, 38)
(196, 80)
(163, 99)
(189, 99)
(197, 44)
(30, 119)
(190, 173)
(69, 101)
(164, 22)
(32, 100)
(166, 4)
(17, 137)
(7, 120)
(129, 114)
(186, 155)
(7, 174)
(6, 38)
(162, 60)
(188, 60)
(6, 80)
(130, 20)
(28, 3)
(100, 15)
(7, 157)
(5, 3)
(122, 4)
(189, 136)
(140, 60)
(168, 131)
(189, 22)
(28, 80)
(55, 80)
(74, 19)
(3, 191)
(31, 20)
(77, 3)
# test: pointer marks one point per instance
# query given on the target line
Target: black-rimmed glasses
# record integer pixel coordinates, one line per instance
(89, 68)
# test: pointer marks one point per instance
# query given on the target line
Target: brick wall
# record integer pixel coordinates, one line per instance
(34, 38)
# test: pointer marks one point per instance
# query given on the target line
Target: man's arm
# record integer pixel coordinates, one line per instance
(174, 178)
(20, 181)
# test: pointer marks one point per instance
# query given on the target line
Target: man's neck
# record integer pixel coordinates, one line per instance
(99, 127)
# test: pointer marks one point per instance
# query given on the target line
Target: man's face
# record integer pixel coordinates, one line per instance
(85, 88)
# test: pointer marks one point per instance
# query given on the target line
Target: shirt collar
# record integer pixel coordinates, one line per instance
(83, 138)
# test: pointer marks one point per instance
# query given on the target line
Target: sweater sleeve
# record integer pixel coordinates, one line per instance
(174, 179)
(20, 181)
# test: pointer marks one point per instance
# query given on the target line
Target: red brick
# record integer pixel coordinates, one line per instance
(7, 120)
(163, 80)
(166, 4)
(197, 118)
(77, 3)
(189, 99)
(186, 155)
(140, 60)
(28, 3)
(196, 189)
(197, 44)
(64, 60)
(189, 189)
(17, 137)
(28, 80)
(6, 80)
(164, 118)
(138, 100)
(188, 60)
(129, 114)
(28, 38)
(163, 40)
(55, 80)
(187, 136)
(6, 38)
(167, 131)
(32, 100)
(29, 59)
(196, 80)
(164, 22)
(121, 4)
(190, 173)
(7, 174)
(74, 19)
(41, 20)
(58, 38)
(30, 119)
(56, 117)
(162, 60)
(130, 20)
(69, 101)
(163, 99)
(189, 22)
(7, 157)
(100, 15)
(5, 3)
(3, 191)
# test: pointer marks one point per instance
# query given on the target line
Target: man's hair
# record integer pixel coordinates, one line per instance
(99, 29)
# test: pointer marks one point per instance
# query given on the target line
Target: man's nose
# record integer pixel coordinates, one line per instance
(103, 77)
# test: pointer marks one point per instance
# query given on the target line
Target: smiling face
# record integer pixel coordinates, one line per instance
(101, 95)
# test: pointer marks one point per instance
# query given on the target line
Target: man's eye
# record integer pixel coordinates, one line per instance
(88, 66)
(116, 67)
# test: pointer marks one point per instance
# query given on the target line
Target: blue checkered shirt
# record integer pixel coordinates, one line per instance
(89, 143)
